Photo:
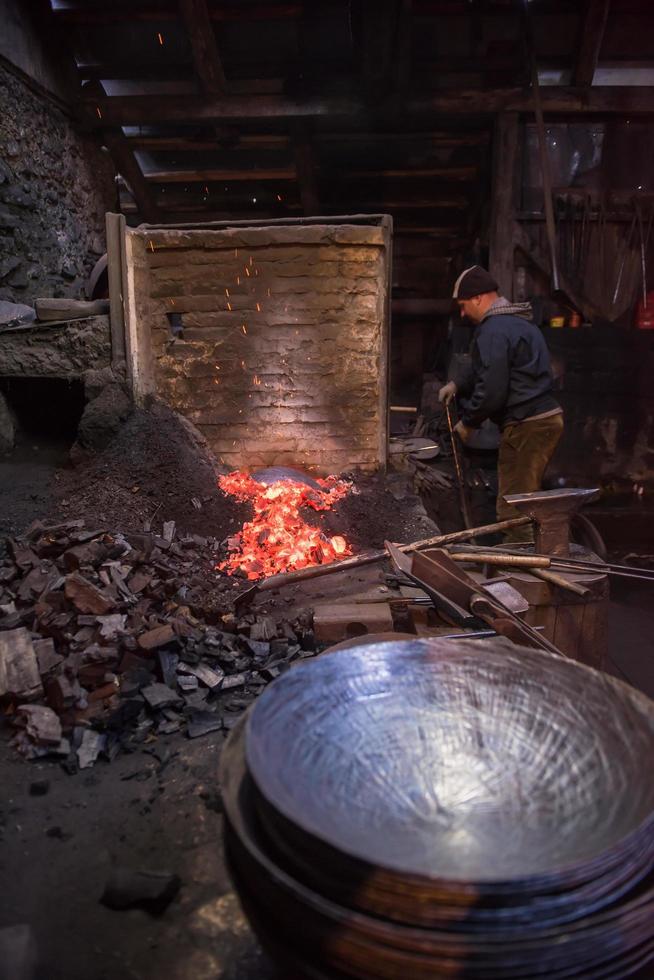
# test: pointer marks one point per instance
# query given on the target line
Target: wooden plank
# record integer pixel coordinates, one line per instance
(149, 109)
(590, 41)
(503, 201)
(206, 59)
(403, 52)
(378, 21)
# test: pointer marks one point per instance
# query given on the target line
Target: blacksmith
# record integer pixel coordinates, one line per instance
(509, 381)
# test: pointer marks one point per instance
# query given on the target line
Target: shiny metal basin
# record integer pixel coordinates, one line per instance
(470, 761)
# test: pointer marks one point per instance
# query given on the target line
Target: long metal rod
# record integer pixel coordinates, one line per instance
(465, 513)
(560, 564)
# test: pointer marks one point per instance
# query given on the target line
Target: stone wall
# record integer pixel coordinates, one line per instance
(66, 350)
(283, 357)
(55, 187)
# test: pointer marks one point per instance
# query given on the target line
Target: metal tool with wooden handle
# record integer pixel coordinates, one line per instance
(536, 565)
(463, 497)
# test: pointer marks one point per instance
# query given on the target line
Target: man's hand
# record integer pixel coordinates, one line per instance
(463, 431)
(447, 392)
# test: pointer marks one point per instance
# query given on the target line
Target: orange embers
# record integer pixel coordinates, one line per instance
(278, 538)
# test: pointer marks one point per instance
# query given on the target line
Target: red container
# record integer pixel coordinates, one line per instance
(645, 313)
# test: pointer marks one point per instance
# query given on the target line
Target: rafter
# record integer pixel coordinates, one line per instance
(78, 13)
(128, 166)
(146, 109)
(590, 42)
(209, 175)
(206, 59)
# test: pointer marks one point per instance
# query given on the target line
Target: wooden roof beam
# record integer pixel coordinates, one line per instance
(80, 14)
(208, 67)
(218, 176)
(186, 144)
(145, 109)
(127, 165)
(440, 173)
(590, 41)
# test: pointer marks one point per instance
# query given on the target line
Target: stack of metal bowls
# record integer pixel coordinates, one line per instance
(438, 808)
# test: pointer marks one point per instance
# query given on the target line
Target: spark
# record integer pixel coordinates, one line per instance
(258, 308)
(244, 328)
(251, 260)
(243, 365)
(238, 280)
(217, 367)
(256, 380)
(151, 244)
(235, 250)
(97, 109)
(247, 271)
(279, 197)
(206, 189)
(226, 292)
(268, 291)
(160, 37)
(229, 307)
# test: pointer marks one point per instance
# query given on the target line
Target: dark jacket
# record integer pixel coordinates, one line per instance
(509, 378)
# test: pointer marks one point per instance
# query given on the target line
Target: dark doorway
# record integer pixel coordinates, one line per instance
(46, 409)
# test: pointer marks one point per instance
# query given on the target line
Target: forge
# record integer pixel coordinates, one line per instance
(272, 338)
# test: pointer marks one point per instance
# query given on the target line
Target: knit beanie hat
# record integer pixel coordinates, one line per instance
(472, 282)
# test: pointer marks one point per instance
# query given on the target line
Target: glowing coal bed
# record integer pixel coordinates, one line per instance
(278, 538)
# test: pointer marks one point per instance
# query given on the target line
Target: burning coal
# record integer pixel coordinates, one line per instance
(278, 539)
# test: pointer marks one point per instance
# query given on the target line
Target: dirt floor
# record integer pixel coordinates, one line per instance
(158, 808)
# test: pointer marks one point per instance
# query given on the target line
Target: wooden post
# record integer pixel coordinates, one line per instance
(504, 188)
(115, 225)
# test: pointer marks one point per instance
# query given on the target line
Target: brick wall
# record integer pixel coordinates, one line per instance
(283, 357)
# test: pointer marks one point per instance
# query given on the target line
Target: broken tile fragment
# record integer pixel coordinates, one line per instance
(92, 745)
(19, 669)
(202, 722)
(41, 724)
(86, 597)
(157, 637)
(160, 695)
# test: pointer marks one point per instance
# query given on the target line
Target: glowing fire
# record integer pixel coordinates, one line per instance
(278, 539)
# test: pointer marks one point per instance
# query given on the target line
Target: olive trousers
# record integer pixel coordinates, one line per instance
(525, 450)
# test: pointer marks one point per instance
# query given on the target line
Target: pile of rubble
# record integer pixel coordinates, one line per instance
(107, 641)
